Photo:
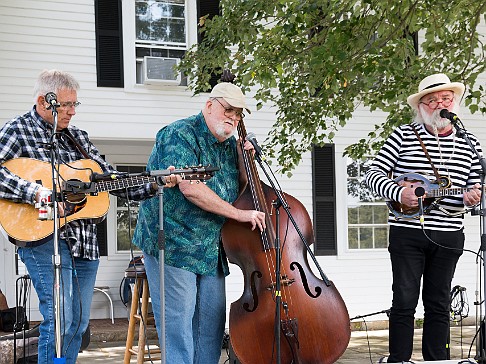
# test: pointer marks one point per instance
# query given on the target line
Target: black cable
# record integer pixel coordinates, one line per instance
(448, 247)
(387, 312)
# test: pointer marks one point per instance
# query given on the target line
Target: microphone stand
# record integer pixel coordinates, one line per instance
(56, 257)
(281, 202)
(387, 312)
(159, 178)
(462, 132)
(161, 241)
(278, 295)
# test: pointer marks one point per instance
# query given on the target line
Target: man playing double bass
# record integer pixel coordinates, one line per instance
(194, 213)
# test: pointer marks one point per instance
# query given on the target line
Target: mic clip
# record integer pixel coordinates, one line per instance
(420, 192)
(421, 210)
(74, 186)
(256, 147)
(97, 177)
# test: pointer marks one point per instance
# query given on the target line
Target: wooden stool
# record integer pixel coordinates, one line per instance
(138, 273)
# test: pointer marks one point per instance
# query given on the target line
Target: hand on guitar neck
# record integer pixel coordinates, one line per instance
(472, 196)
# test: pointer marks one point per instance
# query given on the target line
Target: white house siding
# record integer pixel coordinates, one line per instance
(36, 35)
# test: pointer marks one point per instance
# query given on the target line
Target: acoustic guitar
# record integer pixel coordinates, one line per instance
(434, 192)
(83, 198)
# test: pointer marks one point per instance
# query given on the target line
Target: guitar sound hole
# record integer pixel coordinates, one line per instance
(72, 208)
(75, 198)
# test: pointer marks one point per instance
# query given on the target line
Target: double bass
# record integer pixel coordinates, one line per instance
(313, 319)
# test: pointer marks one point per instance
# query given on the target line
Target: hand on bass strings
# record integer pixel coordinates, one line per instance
(255, 218)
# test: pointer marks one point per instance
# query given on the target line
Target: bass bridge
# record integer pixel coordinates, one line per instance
(284, 281)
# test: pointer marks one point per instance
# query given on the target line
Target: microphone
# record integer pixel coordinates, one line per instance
(419, 191)
(251, 137)
(446, 114)
(51, 99)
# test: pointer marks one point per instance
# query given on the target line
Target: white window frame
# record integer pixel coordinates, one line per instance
(133, 211)
(373, 225)
(129, 42)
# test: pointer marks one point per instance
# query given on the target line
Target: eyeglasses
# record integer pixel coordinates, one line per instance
(445, 101)
(69, 104)
(230, 111)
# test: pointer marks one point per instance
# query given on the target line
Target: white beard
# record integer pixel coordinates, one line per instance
(220, 131)
(434, 120)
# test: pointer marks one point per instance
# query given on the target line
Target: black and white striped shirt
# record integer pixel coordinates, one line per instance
(402, 153)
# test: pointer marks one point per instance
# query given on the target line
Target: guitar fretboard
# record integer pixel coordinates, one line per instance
(121, 183)
(442, 192)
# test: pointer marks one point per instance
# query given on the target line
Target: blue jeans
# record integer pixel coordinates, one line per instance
(415, 258)
(76, 292)
(195, 313)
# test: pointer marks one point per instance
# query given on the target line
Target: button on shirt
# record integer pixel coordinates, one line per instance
(192, 234)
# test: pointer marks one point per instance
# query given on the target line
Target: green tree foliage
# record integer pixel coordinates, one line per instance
(317, 61)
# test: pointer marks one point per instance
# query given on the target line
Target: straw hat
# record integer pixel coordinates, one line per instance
(231, 93)
(434, 83)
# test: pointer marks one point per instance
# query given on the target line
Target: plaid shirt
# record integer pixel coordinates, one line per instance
(29, 136)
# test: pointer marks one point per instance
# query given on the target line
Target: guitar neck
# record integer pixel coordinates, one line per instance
(122, 183)
(441, 192)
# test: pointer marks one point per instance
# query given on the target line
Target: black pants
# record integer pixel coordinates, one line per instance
(413, 258)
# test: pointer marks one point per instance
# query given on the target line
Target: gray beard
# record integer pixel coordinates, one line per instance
(434, 120)
(220, 131)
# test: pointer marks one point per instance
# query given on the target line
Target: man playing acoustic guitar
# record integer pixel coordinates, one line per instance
(429, 247)
(27, 138)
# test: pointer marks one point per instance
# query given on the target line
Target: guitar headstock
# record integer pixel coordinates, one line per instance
(196, 173)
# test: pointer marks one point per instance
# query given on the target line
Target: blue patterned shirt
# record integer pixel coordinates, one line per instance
(192, 235)
(28, 136)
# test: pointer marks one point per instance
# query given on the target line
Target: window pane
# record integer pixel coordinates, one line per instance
(381, 237)
(160, 21)
(124, 209)
(380, 214)
(352, 215)
(353, 238)
(124, 203)
(366, 238)
(366, 214)
(353, 169)
(124, 226)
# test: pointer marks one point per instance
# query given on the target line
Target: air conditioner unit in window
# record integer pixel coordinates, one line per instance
(158, 70)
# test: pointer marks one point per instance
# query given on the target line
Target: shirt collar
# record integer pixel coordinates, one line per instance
(39, 120)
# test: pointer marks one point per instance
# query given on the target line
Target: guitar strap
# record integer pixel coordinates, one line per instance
(436, 172)
(76, 144)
